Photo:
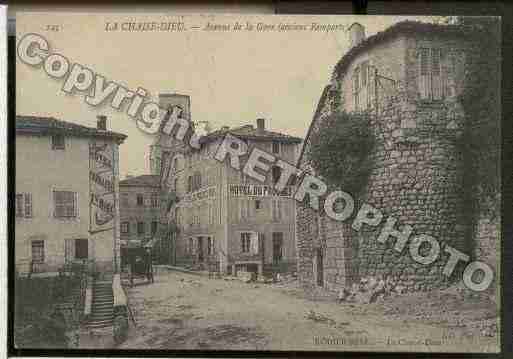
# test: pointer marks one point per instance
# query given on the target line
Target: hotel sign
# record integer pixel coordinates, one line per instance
(250, 190)
(101, 187)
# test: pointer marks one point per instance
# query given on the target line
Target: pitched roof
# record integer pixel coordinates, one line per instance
(403, 27)
(49, 125)
(320, 104)
(142, 181)
(250, 132)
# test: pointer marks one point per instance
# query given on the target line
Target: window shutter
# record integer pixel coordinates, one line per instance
(436, 70)
(28, 205)
(364, 84)
(75, 204)
(370, 86)
(356, 85)
(19, 205)
(424, 77)
(193, 247)
(70, 249)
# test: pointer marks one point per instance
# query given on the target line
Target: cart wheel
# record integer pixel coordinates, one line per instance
(120, 328)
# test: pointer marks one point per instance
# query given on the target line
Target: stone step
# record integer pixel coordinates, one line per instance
(102, 310)
(100, 324)
(101, 316)
(102, 304)
(103, 294)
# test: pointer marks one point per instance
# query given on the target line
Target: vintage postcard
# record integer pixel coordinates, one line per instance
(257, 182)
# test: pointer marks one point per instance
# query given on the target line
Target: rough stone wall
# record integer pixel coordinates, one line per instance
(340, 266)
(305, 229)
(417, 179)
(487, 243)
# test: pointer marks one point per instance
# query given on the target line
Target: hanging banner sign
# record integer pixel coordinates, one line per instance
(101, 187)
(250, 190)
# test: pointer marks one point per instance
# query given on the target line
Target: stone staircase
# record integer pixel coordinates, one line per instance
(102, 308)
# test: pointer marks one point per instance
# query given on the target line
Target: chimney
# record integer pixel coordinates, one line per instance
(356, 34)
(260, 124)
(101, 123)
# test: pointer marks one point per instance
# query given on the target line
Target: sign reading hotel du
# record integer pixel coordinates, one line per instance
(251, 190)
(101, 183)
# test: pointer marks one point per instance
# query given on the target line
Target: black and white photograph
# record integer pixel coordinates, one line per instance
(243, 182)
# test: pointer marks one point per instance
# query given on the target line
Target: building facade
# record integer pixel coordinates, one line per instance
(139, 208)
(66, 195)
(223, 218)
(407, 79)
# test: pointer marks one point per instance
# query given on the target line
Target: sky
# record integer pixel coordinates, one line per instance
(233, 78)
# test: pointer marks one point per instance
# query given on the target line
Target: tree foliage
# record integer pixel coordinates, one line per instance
(339, 150)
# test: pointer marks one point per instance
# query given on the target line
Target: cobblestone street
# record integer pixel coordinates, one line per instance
(186, 311)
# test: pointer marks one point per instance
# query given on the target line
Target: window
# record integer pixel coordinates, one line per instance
(430, 80)
(189, 184)
(276, 210)
(211, 217)
(276, 147)
(154, 226)
(245, 242)
(362, 87)
(154, 200)
(140, 228)
(176, 185)
(58, 142)
(196, 181)
(65, 204)
(244, 209)
(258, 204)
(210, 246)
(24, 205)
(191, 248)
(243, 178)
(177, 216)
(19, 205)
(363, 76)
(125, 227)
(165, 158)
(81, 249)
(277, 247)
(140, 200)
(356, 89)
(38, 251)
(158, 162)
